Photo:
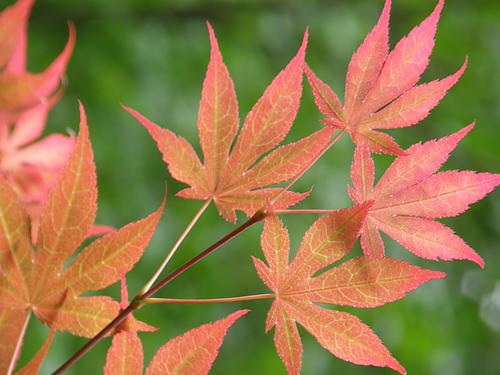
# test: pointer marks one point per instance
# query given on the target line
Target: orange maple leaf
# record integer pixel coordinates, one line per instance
(36, 280)
(358, 282)
(234, 177)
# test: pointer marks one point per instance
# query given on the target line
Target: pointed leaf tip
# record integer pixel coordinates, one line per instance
(303, 46)
(83, 117)
(411, 194)
(433, 18)
(69, 211)
(214, 44)
(456, 137)
(366, 63)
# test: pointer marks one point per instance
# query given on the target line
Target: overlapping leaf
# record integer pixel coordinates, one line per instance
(192, 353)
(38, 281)
(33, 366)
(381, 90)
(31, 165)
(13, 23)
(20, 90)
(358, 282)
(234, 177)
(411, 194)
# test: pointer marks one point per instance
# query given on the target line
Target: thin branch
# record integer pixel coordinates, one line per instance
(303, 212)
(143, 295)
(258, 216)
(174, 248)
(91, 343)
(138, 301)
(207, 300)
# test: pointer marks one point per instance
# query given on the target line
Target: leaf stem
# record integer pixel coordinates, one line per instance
(258, 216)
(174, 248)
(93, 342)
(303, 212)
(20, 339)
(307, 167)
(139, 300)
(207, 300)
(151, 288)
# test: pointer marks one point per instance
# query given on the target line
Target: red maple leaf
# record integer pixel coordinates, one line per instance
(192, 353)
(234, 177)
(380, 89)
(358, 282)
(411, 194)
(36, 281)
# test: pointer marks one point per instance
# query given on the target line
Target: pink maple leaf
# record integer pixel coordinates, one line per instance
(381, 90)
(411, 194)
(31, 164)
(358, 282)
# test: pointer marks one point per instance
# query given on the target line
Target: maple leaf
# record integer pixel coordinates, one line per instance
(234, 177)
(411, 194)
(37, 281)
(192, 353)
(13, 22)
(358, 282)
(20, 90)
(380, 89)
(32, 167)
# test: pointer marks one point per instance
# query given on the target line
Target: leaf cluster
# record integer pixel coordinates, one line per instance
(48, 203)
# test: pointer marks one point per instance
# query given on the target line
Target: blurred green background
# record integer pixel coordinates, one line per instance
(152, 56)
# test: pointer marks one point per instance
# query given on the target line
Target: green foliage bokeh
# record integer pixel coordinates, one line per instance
(152, 55)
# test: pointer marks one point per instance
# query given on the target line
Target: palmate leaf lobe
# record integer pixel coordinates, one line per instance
(21, 90)
(191, 353)
(36, 280)
(358, 282)
(381, 90)
(412, 193)
(32, 165)
(232, 173)
(13, 22)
